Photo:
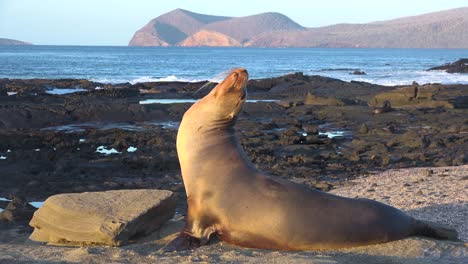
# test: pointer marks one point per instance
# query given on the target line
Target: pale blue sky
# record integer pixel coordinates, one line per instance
(113, 22)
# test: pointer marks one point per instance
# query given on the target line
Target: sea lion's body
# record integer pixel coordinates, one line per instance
(229, 197)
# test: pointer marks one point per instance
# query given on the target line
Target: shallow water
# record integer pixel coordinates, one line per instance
(336, 133)
(61, 91)
(140, 126)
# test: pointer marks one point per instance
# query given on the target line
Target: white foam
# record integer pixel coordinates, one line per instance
(11, 93)
(170, 78)
(82, 140)
(401, 77)
(37, 150)
(131, 149)
(105, 151)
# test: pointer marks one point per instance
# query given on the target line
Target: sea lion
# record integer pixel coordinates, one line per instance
(228, 197)
(386, 107)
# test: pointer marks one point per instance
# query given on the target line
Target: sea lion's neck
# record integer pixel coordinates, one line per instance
(210, 150)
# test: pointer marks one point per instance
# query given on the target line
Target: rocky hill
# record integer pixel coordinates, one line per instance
(5, 41)
(445, 29)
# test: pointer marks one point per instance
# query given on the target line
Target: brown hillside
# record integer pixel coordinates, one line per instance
(445, 29)
(245, 28)
(171, 28)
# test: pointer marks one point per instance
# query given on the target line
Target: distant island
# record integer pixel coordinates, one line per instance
(5, 41)
(445, 29)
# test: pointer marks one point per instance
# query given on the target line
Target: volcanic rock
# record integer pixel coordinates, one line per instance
(459, 66)
(358, 72)
(429, 96)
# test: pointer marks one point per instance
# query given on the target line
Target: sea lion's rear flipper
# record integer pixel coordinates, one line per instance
(435, 230)
(182, 242)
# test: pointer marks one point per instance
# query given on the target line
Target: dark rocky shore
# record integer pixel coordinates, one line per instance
(321, 132)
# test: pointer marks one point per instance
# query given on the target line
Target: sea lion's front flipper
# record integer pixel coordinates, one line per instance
(182, 242)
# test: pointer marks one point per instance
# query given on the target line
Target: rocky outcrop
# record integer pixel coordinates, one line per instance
(49, 142)
(108, 218)
(358, 72)
(459, 66)
(425, 96)
(445, 29)
(316, 100)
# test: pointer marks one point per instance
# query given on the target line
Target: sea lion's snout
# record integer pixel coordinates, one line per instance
(241, 75)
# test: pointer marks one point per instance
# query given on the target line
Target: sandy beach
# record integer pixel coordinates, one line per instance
(434, 194)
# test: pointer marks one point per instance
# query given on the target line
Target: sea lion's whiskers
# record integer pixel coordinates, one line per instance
(208, 83)
(215, 79)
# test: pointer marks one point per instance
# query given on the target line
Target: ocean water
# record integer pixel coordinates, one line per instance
(140, 64)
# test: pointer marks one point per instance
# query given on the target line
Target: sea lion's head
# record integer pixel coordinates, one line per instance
(230, 94)
(221, 107)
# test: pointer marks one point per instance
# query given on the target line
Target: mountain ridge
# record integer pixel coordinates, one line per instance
(6, 41)
(442, 29)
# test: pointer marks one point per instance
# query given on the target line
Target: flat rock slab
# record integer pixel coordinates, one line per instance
(101, 218)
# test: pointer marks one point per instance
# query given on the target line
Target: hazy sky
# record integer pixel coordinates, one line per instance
(113, 22)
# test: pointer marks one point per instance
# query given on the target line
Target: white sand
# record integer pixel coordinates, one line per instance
(440, 196)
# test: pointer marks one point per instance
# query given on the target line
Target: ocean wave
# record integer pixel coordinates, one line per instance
(421, 77)
(401, 77)
(338, 69)
(170, 78)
